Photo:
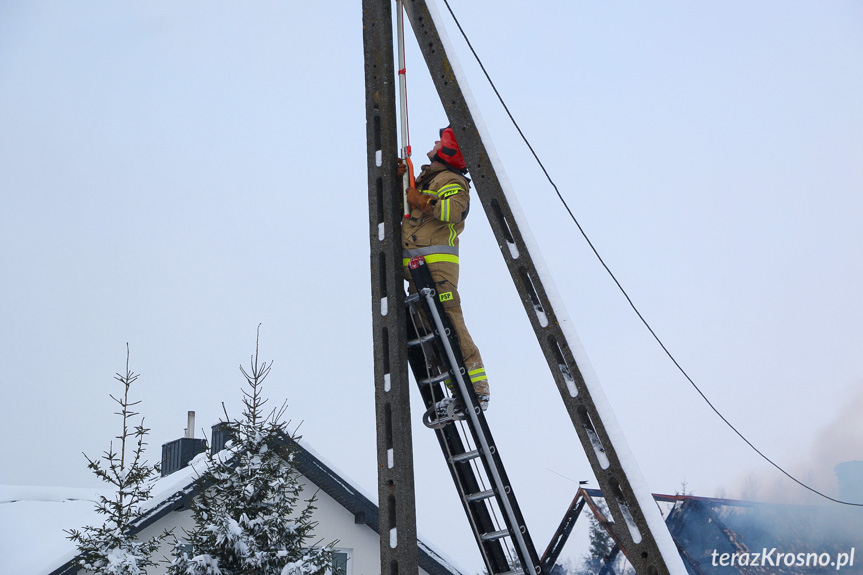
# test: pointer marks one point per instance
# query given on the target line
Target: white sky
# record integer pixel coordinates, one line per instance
(173, 174)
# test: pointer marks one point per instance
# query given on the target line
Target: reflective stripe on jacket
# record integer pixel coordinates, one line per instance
(432, 254)
(435, 235)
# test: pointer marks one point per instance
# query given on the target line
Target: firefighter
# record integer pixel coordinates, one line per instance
(439, 205)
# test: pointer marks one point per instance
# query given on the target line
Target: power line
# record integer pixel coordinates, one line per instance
(619, 286)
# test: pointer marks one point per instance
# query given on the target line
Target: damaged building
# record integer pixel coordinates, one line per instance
(727, 536)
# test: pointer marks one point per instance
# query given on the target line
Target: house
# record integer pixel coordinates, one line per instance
(32, 541)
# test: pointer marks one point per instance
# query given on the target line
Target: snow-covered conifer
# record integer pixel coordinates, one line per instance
(250, 516)
(600, 542)
(601, 557)
(110, 548)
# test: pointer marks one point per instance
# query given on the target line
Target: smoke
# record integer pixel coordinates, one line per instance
(839, 441)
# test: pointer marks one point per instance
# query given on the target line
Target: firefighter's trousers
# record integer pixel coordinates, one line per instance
(445, 276)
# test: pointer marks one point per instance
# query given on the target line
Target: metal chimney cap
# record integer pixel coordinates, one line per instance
(190, 425)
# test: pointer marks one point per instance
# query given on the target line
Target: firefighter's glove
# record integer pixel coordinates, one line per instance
(415, 198)
(423, 202)
(401, 168)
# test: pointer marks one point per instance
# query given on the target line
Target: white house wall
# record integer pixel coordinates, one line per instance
(337, 523)
(176, 520)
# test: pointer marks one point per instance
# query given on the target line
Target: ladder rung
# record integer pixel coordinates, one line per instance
(466, 456)
(412, 298)
(480, 495)
(435, 379)
(493, 535)
(423, 339)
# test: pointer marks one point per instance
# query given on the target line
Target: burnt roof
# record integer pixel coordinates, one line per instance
(721, 536)
(728, 536)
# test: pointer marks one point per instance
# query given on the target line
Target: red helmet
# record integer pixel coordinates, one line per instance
(449, 151)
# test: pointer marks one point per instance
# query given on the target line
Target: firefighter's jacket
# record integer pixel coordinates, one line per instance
(435, 236)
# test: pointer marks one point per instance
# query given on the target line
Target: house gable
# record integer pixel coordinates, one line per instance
(343, 513)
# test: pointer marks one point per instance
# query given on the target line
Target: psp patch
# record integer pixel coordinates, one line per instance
(445, 296)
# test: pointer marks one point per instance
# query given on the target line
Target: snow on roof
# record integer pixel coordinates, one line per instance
(32, 520)
(32, 524)
(337, 473)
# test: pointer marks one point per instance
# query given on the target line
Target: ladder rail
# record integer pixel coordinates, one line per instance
(459, 460)
(448, 351)
(485, 449)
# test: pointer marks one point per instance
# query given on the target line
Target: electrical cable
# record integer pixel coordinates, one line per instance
(619, 286)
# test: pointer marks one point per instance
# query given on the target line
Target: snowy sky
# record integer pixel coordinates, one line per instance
(174, 174)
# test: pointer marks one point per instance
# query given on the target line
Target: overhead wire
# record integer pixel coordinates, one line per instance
(617, 282)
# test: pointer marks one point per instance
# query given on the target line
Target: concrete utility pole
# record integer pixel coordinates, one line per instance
(396, 494)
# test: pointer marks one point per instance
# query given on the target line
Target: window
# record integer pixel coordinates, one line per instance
(186, 548)
(340, 561)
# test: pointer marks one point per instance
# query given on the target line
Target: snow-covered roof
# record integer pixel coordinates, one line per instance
(33, 519)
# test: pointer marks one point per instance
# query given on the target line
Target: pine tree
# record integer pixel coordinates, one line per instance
(600, 544)
(250, 517)
(110, 548)
(603, 556)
